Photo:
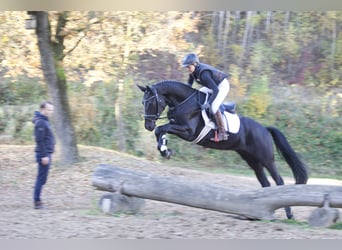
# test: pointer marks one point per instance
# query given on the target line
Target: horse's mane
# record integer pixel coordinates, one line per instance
(173, 83)
(169, 81)
(174, 90)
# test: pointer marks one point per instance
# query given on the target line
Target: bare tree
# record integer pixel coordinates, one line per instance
(51, 54)
(247, 35)
(268, 22)
(226, 31)
(287, 19)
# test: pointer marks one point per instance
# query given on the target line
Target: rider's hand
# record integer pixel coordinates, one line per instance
(205, 106)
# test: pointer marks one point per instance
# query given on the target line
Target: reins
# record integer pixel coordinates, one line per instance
(156, 116)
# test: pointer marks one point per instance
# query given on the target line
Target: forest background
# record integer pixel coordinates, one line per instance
(285, 71)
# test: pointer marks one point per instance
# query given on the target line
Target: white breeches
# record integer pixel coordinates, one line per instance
(224, 88)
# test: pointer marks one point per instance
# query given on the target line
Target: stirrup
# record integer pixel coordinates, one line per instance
(223, 136)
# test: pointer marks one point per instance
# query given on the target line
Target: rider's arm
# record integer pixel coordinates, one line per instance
(210, 83)
(191, 79)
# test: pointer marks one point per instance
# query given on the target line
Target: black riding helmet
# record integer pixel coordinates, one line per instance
(190, 59)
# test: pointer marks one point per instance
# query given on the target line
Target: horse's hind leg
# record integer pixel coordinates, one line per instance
(272, 169)
(261, 176)
(258, 170)
(257, 167)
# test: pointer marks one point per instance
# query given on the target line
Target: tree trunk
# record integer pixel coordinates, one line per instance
(236, 27)
(286, 20)
(268, 22)
(254, 204)
(333, 45)
(119, 118)
(51, 60)
(226, 30)
(220, 32)
(119, 103)
(246, 36)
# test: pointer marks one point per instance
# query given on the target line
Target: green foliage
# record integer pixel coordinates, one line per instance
(131, 119)
(337, 226)
(16, 123)
(316, 135)
(272, 71)
(259, 98)
(210, 53)
(60, 72)
(21, 91)
(302, 224)
(305, 225)
(93, 104)
(308, 120)
(97, 104)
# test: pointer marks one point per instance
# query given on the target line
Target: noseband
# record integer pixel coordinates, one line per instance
(156, 116)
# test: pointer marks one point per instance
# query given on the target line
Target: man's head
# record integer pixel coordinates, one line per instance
(190, 61)
(46, 108)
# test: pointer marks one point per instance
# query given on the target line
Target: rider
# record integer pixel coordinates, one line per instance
(216, 81)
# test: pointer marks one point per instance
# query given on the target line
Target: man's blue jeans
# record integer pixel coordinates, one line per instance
(42, 175)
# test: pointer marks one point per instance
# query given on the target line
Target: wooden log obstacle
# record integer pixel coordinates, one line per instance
(254, 204)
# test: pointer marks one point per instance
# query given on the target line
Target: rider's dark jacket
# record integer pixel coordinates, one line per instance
(209, 77)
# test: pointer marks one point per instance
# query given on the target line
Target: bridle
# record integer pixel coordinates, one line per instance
(159, 109)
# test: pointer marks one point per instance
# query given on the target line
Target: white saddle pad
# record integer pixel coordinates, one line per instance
(231, 122)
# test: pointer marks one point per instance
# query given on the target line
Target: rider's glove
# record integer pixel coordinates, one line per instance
(205, 106)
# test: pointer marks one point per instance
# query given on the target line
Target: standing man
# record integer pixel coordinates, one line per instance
(45, 145)
(214, 80)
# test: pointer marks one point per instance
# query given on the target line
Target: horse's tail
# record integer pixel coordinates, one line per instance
(298, 168)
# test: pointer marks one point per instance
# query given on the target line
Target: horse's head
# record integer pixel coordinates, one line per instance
(154, 105)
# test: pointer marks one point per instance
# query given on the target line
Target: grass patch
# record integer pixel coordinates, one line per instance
(305, 224)
(337, 226)
(295, 222)
(92, 212)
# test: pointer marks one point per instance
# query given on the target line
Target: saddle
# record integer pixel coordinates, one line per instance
(227, 110)
(230, 119)
(229, 107)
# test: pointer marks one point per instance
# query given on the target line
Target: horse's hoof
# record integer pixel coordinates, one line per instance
(165, 154)
(169, 153)
(290, 216)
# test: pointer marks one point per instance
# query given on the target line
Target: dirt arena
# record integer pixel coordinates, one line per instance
(71, 205)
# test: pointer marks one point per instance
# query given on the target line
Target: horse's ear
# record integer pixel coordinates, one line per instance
(141, 88)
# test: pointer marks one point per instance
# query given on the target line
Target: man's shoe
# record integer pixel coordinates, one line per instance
(38, 205)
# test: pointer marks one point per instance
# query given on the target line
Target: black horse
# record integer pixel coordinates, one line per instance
(253, 142)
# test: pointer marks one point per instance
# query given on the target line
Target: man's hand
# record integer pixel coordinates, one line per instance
(45, 160)
(205, 106)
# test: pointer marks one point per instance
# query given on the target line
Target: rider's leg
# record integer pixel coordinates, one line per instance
(223, 87)
(222, 134)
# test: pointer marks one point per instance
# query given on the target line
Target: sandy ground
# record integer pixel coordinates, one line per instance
(71, 205)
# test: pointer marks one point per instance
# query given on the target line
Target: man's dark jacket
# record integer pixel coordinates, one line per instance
(45, 140)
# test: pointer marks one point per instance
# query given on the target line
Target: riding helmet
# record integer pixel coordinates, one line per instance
(190, 59)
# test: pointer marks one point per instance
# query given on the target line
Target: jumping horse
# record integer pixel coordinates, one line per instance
(253, 142)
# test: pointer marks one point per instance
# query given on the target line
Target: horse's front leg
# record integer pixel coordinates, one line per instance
(160, 133)
(163, 149)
